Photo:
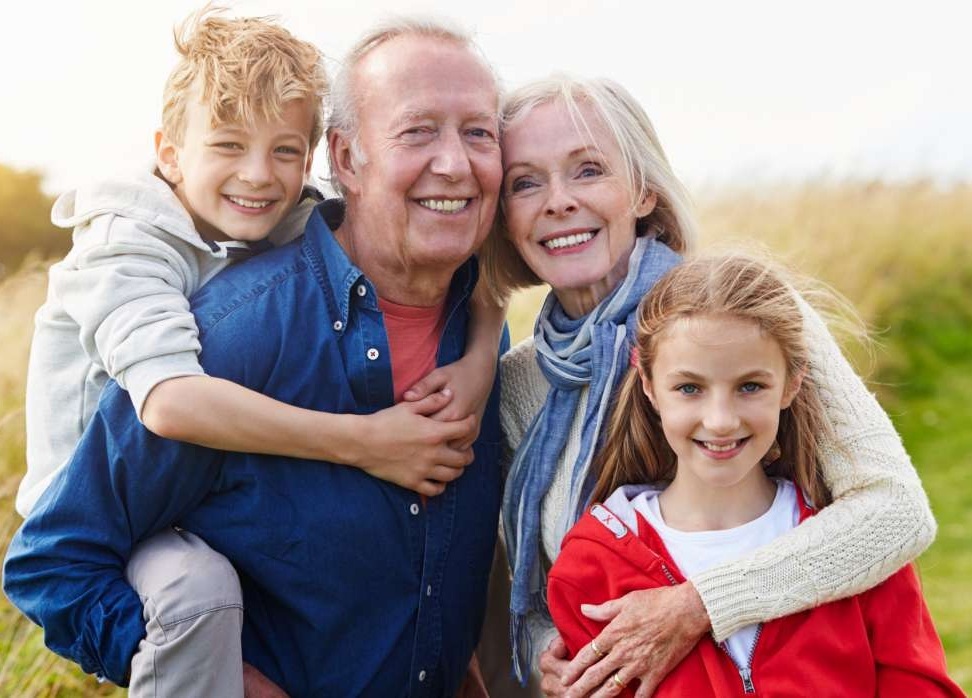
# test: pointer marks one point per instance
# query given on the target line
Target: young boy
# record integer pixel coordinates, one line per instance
(242, 115)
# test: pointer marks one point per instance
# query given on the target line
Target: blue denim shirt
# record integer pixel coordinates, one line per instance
(351, 585)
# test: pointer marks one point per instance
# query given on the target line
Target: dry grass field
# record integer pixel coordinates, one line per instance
(901, 253)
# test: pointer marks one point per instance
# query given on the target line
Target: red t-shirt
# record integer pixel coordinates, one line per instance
(413, 339)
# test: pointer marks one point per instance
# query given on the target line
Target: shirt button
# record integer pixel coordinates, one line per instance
(372, 354)
(362, 290)
(414, 509)
(422, 675)
(428, 590)
(337, 325)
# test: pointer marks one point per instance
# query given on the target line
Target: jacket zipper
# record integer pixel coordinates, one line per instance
(746, 672)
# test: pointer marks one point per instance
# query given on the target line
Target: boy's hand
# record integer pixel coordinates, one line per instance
(470, 380)
(403, 445)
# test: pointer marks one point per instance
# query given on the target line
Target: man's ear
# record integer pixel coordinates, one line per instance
(167, 158)
(646, 205)
(343, 165)
(792, 388)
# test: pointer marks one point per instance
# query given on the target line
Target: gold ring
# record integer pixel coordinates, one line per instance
(616, 678)
(597, 650)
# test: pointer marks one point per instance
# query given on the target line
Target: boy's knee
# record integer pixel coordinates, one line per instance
(179, 577)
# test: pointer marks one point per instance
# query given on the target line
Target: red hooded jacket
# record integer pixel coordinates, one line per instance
(879, 643)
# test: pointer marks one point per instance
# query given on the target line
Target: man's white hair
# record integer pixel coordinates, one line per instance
(344, 117)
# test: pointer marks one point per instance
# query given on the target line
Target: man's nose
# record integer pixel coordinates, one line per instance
(451, 158)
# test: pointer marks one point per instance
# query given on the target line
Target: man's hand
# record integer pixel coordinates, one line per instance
(256, 685)
(649, 632)
(404, 445)
(553, 664)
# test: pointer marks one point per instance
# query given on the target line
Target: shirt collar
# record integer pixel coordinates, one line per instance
(340, 278)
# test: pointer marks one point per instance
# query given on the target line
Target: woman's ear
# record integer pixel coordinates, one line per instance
(646, 205)
(167, 158)
(792, 388)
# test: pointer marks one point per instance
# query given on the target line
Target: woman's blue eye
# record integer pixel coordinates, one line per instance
(688, 389)
(750, 387)
(591, 170)
(520, 184)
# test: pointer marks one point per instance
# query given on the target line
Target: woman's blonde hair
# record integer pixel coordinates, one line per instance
(645, 168)
(737, 286)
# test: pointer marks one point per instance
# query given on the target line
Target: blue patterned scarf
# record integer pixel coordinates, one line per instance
(592, 350)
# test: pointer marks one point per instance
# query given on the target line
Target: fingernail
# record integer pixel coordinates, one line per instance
(447, 392)
(586, 607)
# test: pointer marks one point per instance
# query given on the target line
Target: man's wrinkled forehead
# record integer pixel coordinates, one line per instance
(410, 55)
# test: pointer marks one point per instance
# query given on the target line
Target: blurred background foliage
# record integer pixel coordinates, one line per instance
(901, 252)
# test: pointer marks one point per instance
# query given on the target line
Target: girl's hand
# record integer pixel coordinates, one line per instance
(404, 445)
(553, 663)
(470, 379)
(649, 632)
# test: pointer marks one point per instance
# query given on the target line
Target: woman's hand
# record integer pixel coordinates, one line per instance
(553, 663)
(649, 632)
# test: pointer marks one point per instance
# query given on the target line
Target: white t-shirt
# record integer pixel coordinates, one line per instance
(698, 551)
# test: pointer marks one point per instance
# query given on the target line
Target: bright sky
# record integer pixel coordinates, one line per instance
(749, 91)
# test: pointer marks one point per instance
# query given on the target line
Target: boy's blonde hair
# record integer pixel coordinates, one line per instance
(242, 69)
(736, 286)
(646, 169)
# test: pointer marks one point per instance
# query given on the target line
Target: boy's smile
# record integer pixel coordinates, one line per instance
(238, 181)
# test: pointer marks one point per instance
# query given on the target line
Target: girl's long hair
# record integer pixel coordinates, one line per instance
(635, 449)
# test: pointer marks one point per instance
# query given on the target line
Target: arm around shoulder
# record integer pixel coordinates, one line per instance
(879, 520)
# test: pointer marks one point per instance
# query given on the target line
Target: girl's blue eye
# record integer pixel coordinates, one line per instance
(688, 389)
(750, 387)
(290, 150)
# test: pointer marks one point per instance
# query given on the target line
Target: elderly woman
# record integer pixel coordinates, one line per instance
(590, 206)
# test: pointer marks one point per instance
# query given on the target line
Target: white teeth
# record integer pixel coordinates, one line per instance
(445, 205)
(248, 203)
(720, 448)
(567, 241)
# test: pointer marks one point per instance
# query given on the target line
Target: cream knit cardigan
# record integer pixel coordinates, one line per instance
(879, 520)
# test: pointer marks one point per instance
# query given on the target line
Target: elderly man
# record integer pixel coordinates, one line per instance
(351, 585)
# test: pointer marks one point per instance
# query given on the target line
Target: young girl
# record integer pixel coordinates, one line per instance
(711, 453)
